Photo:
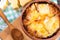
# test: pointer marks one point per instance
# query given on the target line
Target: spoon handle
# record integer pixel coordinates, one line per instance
(10, 26)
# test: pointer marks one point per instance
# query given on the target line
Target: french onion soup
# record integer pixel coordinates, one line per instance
(41, 20)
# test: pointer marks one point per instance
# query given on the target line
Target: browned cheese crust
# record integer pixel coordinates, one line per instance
(41, 20)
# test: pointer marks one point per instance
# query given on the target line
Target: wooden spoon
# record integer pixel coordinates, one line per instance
(15, 33)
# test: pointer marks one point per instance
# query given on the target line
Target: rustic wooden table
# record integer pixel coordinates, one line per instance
(5, 35)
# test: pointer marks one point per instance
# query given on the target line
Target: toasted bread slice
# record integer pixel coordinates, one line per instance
(14, 4)
(3, 4)
(24, 2)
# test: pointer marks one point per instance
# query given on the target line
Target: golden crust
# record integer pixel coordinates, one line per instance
(41, 20)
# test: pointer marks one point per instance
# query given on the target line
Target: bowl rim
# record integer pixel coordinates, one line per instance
(23, 10)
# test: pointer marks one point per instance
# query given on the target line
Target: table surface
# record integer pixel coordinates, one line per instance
(5, 35)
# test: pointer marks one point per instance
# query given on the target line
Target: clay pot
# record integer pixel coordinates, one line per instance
(32, 37)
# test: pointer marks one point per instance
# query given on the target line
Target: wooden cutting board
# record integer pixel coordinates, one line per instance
(5, 35)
